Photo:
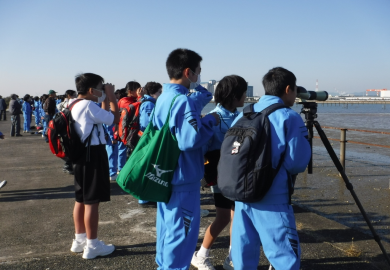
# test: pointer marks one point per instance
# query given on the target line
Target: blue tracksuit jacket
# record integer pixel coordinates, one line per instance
(289, 134)
(191, 132)
(145, 110)
(227, 118)
(200, 97)
(26, 108)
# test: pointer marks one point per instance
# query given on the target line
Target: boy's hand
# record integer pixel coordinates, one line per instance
(1, 136)
(108, 87)
(216, 116)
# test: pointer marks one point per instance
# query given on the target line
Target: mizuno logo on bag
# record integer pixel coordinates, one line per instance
(155, 178)
(158, 171)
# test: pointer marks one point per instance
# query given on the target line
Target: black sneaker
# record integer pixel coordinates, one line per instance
(18, 135)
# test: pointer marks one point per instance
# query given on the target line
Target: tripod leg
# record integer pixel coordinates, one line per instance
(309, 125)
(349, 186)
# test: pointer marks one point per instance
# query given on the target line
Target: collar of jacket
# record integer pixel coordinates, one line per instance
(175, 88)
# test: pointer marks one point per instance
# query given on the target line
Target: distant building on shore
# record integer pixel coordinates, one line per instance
(249, 91)
(210, 86)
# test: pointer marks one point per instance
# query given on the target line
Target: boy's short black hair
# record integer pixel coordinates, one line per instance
(180, 59)
(69, 92)
(230, 88)
(84, 81)
(36, 98)
(276, 81)
(132, 85)
(26, 97)
(152, 88)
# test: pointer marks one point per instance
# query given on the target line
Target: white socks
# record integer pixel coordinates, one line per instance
(92, 243)
(203, 252)
(81, 237)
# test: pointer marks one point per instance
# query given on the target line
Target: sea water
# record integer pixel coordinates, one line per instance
(358, 116)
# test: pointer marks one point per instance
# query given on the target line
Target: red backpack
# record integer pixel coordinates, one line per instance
(128, 127)
(63, 139)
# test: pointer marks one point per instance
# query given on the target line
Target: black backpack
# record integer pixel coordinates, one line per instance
(245, 170)
(64, 142)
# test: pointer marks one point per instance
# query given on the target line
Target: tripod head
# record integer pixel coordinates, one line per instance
(309, 109)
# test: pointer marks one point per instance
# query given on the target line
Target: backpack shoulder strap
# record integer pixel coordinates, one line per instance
(248, 109)
(267, 111)
(270, 109)
(74, 103)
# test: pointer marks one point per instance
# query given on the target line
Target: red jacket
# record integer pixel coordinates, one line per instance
(126, 101)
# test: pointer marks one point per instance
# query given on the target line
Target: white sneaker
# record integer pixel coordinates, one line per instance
(113, 178)
(78, 246)
(202, 263)
(228, 264)
(101, 249)
(3, 183)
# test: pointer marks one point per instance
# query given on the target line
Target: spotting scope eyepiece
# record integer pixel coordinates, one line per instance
(302, 93)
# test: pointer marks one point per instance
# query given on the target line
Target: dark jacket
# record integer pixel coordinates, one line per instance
(3, 106)
(14, 107)
(50, 106)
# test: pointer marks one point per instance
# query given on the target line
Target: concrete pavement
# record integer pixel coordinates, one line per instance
(36, 225)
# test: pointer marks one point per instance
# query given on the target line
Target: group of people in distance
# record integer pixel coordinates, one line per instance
(43, 108)
(269, 223)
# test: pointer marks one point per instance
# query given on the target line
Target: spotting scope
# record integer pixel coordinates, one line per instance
(303, 94)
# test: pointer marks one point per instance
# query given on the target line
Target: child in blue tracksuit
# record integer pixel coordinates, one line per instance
(229, 94)
(151, 91)
(37, 106)
(26, 108)
(42, 114)
(270, 222)
(116, 152)
(178, 220)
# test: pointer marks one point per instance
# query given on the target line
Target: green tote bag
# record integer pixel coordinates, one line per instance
(148, 173)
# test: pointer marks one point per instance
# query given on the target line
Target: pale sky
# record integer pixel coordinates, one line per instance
(345, 44)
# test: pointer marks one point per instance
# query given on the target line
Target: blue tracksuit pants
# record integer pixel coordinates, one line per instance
(122, 158)
(177, 230)
(271, 226)
(27, 121)
(37, 117)
(116, 157)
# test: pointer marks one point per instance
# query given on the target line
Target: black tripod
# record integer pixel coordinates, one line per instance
(310, 111)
